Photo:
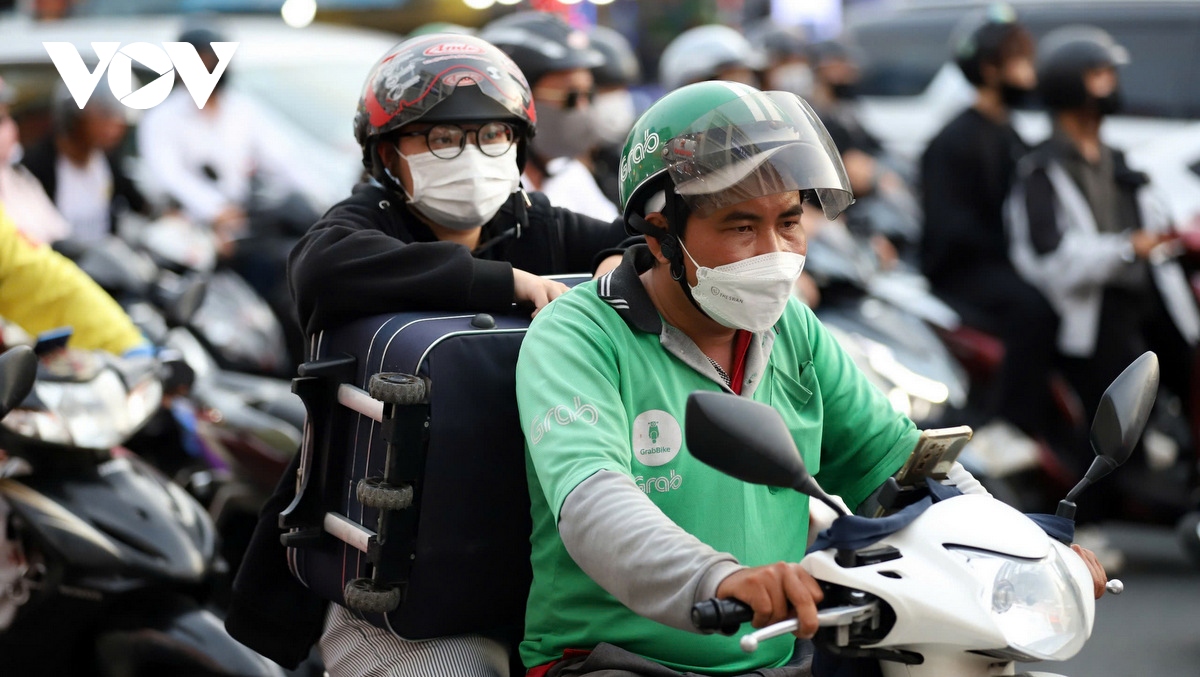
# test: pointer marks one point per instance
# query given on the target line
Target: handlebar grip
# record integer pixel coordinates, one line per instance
(721, 615)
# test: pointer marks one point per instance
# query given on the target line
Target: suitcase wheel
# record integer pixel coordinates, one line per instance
(397, 388)
(366, 596)
(373, 492)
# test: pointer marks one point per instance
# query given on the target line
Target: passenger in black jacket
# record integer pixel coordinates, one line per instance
(966, 173)
(443, 124)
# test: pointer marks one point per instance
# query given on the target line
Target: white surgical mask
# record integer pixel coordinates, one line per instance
(614, 115)
(750, 294)
(796, 78)
(464, 192)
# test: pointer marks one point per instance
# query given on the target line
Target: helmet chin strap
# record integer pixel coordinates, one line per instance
(676, 212)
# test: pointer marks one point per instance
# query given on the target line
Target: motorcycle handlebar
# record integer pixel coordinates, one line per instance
(721, 615)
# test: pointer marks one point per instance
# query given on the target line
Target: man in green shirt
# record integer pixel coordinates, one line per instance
(629, 530)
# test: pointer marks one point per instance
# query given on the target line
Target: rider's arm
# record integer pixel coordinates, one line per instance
(1047, 249)
(41, 290)
(625, 543)
(864, 440)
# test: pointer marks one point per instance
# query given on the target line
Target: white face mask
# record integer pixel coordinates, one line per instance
(614, 115)
(465, 192)
(750, 294)
(796, 78)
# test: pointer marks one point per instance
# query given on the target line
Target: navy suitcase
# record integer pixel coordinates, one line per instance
(412, 505)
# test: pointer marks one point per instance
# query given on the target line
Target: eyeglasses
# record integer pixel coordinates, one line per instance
(447, 141)
(569, 98)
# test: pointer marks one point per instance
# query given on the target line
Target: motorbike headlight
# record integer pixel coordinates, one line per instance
(1035, 603)
(95, 414)
(39, 425)
(93, 411)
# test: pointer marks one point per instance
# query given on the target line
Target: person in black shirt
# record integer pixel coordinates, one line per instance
(966, 173)
(444, 123)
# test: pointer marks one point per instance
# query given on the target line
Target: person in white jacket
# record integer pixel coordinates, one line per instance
(1085, 230)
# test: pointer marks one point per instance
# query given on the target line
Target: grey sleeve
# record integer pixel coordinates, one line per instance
(619, 538)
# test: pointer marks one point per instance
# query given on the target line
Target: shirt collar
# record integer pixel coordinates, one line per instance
(623, 290)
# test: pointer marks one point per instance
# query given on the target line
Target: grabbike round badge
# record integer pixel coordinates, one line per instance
(657, 437)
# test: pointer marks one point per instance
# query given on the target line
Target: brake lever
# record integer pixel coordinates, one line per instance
(841, 617)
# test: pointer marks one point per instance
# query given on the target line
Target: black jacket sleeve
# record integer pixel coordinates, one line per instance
(353, 263)
(1039, 205)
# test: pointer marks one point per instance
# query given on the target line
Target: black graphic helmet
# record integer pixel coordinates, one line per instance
(541, 43)
(441, 77)
(1065, 54)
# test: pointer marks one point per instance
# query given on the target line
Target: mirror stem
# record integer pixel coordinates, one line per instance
(1066, 508)
(809, 486)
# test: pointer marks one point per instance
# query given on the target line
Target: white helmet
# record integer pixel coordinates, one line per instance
(700, 53)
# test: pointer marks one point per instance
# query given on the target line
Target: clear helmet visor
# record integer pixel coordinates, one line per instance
(753, 146)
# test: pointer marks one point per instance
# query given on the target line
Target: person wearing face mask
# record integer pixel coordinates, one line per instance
(787, 68)
(629, 529)
(444, 123)
(1086, 231)
(966, 174)
(557, 59)
(615, 107)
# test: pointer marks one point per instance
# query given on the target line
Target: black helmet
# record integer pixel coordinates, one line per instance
(778, 41)
(620, 65)
(982, 38)
(1065, 55)
(541, 43)
(441, 77)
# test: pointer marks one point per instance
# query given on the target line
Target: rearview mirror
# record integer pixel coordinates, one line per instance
(1123, 412)
(18, 371)
(747, 440)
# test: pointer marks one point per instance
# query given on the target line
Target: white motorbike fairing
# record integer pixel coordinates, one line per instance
(972, 599)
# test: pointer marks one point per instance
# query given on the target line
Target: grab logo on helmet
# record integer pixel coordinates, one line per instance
(638, 152)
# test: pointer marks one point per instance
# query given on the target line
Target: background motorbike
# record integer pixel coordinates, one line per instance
(113, 557)
(229, 440)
